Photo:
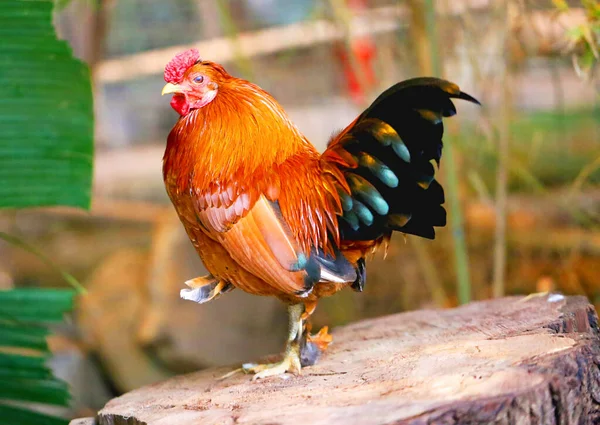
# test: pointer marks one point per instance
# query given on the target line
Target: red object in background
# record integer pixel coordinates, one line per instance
(362, 49)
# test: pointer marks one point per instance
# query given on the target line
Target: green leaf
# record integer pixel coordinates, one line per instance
(48, 391)
(46, 112)
(26, 336)
(34, 363)
(576, 33)
(46, 152)
(35, 305)
(561, 5)
(27, 378)
(12, 415)
(23, 373)
(61, 4)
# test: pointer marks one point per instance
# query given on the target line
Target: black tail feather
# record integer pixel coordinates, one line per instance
(400, 133)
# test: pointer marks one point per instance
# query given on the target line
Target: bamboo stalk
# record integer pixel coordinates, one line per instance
(461, 256)
(499, 268)
(432, 35)
(231, 30)
(420, 42)
(502, 191)
(418, 35)
(432, 278)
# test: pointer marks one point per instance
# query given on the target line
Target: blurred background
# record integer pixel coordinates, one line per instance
(522, 173)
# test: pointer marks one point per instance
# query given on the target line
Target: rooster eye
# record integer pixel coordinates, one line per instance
(199, 79)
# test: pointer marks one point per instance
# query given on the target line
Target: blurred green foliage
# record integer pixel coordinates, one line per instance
(24, 352)
(548, 149)
(46, 152)
(46, 130)
(584, 38)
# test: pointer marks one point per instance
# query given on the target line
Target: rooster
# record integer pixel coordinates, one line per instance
(269, 215)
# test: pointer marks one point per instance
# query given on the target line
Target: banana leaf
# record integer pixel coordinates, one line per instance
(46, 112)
(46, 156)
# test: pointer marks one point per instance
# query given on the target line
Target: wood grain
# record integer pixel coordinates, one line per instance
(506, 361)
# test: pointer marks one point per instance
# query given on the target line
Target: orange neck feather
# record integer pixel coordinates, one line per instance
(241, 132)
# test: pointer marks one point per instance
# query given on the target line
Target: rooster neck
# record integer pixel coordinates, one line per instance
(241, 135)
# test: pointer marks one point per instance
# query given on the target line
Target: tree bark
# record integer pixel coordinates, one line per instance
(506, 361)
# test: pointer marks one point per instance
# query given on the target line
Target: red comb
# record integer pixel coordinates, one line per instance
(179, 64)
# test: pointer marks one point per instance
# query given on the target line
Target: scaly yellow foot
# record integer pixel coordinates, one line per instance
(533, 295)
(291, 359)
(290, 363)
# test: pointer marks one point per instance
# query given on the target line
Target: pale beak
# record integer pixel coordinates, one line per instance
(170, 88)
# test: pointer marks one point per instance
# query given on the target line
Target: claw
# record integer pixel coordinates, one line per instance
(200, 281)
(321, 339)
(204, 289)
(291, 360)
(291, 363)
(230, 374)
(533, 295)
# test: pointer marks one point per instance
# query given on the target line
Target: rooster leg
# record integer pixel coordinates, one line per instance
(312, 346)
(321, 339)
(291, 358)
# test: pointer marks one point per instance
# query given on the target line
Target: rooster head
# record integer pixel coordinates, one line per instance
(194, 83)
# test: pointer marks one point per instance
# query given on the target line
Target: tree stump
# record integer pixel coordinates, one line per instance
(507, 361)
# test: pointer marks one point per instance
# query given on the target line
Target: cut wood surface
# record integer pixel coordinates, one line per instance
(506, 361)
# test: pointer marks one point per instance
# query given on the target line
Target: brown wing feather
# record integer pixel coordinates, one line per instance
(258, 241)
